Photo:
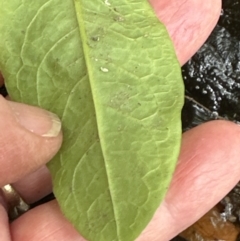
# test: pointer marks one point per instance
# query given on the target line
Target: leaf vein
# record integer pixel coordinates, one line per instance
(24, 43)
(45, 56)
(69, 96)
(79, 16)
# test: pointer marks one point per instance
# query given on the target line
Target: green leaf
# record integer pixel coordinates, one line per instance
(109, 70)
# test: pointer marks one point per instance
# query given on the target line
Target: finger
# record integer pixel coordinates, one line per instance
(47, 223)
(203, 176)
(208, 169)
(4, 225)
(34, 186)
(29, 138)
(189, 23)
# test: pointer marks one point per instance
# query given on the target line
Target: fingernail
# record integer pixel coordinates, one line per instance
(36, 120)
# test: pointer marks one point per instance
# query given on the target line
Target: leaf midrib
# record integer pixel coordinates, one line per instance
(79, 14)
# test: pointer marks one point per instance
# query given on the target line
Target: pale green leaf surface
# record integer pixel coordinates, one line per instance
(109, 70)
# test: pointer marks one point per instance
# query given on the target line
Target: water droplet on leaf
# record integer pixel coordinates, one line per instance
(105, 70)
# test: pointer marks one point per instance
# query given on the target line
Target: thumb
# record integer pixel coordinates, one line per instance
(29, 137)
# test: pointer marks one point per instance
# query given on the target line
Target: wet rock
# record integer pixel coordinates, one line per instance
(212, 76)
(231, 206)
(230, 17)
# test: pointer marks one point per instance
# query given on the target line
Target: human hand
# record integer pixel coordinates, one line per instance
(202, 176)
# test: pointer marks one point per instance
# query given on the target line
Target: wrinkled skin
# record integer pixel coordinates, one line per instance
(202, 176)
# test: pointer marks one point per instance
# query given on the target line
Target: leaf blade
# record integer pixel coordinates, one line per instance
(124, 124)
